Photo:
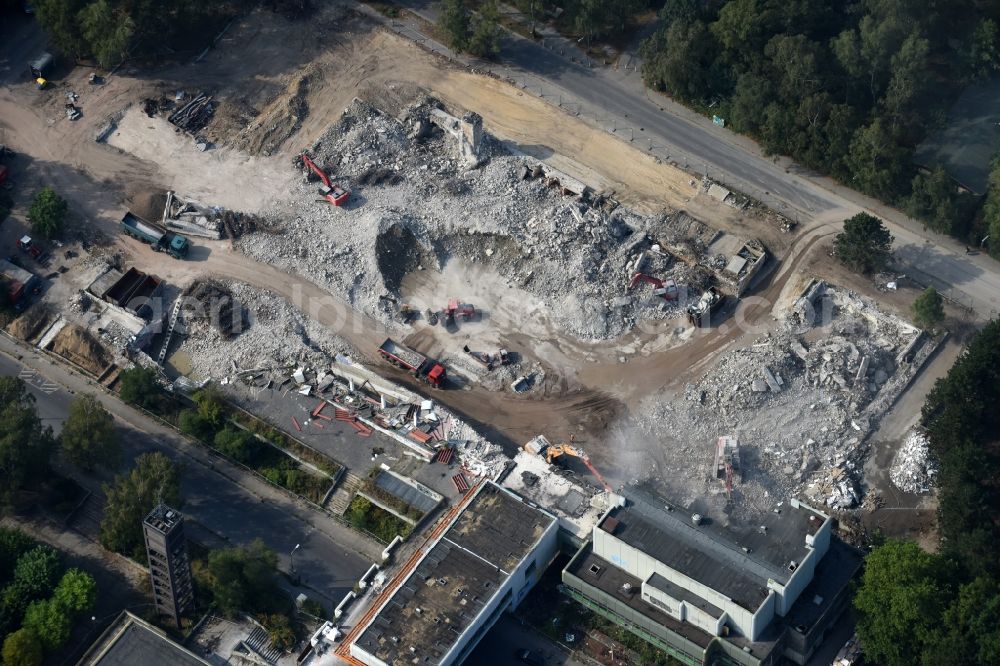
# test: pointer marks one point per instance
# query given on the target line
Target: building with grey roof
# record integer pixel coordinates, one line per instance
(130, 641)
(483, 563)
(967, 144)
(711, 593)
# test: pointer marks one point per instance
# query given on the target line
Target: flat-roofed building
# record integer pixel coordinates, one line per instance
(131, 641)
(708, 593)
(483, 563)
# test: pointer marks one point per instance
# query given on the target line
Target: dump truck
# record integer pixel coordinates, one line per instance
(159, 239)
(423, 368)
(700, 313)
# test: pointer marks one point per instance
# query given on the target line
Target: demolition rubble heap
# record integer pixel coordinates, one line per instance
(913, 470)
(231, 326)
(802, 400)
(426, 189)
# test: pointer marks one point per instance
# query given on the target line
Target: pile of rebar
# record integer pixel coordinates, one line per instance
(193, 116)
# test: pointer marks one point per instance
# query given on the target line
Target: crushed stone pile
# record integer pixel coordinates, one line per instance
(415, 205)
(274, 334)
(913, 470)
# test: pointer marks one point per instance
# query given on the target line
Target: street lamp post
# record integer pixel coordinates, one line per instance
(291, 559)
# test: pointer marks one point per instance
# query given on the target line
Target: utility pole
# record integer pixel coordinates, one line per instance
(291, 560)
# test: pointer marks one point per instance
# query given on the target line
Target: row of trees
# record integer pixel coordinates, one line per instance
(107, 30)
(88, 438)
(921, 608)
(846, 88)
(40, 599)
(475, 33)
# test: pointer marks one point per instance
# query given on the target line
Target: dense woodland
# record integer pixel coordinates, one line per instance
(847, 88)
(923, 609)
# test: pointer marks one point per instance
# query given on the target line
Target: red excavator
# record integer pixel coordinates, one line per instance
(335, 194)
(667, 290)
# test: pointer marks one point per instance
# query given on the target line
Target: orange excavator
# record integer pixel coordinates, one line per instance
(667, 290)
(335, 194)
(554, 451)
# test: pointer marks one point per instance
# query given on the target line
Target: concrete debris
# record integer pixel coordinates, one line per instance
(913, 470)
(572, 249)
(805, 435)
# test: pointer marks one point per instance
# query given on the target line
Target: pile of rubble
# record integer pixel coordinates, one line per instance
(913, 470)
(274, 334)
(415, 204)
(803, 401)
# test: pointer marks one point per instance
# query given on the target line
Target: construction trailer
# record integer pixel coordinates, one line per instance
(17, 281)
(744, 266)
(423, 368)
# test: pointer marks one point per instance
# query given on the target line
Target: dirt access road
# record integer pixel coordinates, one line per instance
(269, 68)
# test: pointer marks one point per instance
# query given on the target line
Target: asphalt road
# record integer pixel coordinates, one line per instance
(212, 499)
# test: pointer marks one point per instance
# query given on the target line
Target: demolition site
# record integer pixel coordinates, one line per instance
(501, 353)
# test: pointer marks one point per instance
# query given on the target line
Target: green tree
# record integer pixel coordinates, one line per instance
(236, 443)
(928, 309)
(685, 10)
(243, 579)
(903, 593)
(37, 572)
(139, 386)
(961, 419)
(191, 423)
(484, 42)
(22, 648)
(982, 50)
(865, 245)
(876, 159)
(88, 437)
(211, 406)
(25, 446)
(50, 622)
(969, 632)
(991, 211)
(676, 60)
(13, 544)
(59, 19)
(154, 479)
(934, 199)
(279, 630)
(47, 213)
(454, 22)
(795, 67)
(909, 77)
(76, 592)
(108, 31)
(743, 26)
